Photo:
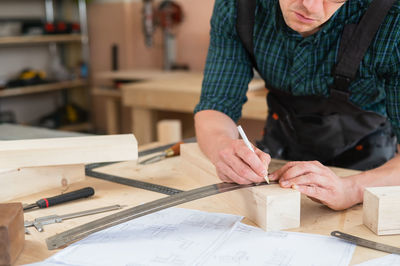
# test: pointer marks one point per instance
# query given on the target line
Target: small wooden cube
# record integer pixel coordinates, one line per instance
(270, 207)
(12, 232)
(381, 210)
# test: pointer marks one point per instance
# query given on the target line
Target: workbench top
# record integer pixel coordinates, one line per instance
(315, 218)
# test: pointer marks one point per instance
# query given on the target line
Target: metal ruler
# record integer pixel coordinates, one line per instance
(132, 182)
(84, 230)
(366, 243)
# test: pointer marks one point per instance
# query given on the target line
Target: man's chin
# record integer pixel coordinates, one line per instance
(304, 30)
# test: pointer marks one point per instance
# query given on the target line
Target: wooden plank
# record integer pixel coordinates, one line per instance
(12, 233)
(270, 207)
(381, 210)
(43, 88)
(32, 39)
(64, 151)
(21, 182)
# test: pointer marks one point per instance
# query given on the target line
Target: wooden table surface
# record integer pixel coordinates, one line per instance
(315, 218)
(179, 92)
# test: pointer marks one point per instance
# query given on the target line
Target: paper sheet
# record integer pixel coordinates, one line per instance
(249, 245)
(389, 260)
(187, 237)
(169, 237)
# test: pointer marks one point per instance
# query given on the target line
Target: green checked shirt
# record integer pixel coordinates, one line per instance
(302, 66)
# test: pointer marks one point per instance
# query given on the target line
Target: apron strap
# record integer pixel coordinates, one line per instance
(355, 42)
(245, 26)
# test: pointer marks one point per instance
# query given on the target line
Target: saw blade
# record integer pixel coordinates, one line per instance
(84, 230)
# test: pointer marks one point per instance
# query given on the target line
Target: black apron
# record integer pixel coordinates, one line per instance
(331, 130)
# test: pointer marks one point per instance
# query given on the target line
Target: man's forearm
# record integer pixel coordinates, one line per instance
(213, 128)
(385, 175)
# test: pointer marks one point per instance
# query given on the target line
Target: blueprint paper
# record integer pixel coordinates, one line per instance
(389, 260)
(249, 245)
(187, 237)
(169, 237)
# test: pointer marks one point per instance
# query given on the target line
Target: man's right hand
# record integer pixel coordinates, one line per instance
(218, 138)
(236, 163)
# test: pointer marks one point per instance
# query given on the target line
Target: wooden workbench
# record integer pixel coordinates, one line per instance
(315, 218)
(179, 92)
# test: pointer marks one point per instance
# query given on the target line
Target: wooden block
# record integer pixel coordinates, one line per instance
(21, 182)
(381, 210)
(66, 151)
(169, 130)
(12, 232)
(270, 207)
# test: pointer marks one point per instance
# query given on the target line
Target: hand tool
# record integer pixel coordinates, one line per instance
(73, 195)
(170, 152)
(51, 219)
(141, 153)
(84, 230)
(134, 183)
(366, 243)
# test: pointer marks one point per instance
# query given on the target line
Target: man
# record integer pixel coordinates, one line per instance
(318, 112)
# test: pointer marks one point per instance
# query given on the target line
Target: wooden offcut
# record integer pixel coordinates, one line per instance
(67, 151)
(381, 209)
(270, 207)
(12, 233)
(169, 130)
(15, 183)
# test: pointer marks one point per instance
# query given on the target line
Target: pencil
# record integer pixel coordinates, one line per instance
(248, 144)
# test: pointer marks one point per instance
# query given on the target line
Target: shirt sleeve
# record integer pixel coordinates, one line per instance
(228, 69)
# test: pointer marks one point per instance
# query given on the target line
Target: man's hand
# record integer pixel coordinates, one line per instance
(237, 163)
(319, 183)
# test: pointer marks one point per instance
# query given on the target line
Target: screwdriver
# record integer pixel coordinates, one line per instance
(73, 195)
(170, 152)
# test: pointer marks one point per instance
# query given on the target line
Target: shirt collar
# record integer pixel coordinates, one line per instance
(349, 13)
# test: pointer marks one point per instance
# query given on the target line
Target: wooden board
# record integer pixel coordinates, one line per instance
(66, 151)
(270, 207)
(28, 180)
(381, 210)
(12, 234)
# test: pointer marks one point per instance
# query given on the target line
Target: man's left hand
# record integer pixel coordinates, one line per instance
(319, 183)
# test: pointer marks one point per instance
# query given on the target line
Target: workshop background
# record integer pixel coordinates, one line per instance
(55, 56)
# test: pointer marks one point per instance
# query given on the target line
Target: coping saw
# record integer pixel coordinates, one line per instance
(84, 230)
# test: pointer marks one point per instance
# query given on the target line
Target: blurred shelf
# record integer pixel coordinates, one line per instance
(40, 39)
(43, 88)
(85, 127)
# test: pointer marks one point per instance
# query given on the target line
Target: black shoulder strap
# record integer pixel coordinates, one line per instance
(355, 41)
(245, 25)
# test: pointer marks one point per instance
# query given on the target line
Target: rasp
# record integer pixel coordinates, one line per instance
(366, 243)
(84, 230)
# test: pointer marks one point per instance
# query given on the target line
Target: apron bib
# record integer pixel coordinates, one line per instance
(331, 130)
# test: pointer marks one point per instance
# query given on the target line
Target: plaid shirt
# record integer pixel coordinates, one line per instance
(302, 66)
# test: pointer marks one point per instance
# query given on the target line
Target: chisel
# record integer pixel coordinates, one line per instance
(73, 195)
(174, 150)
